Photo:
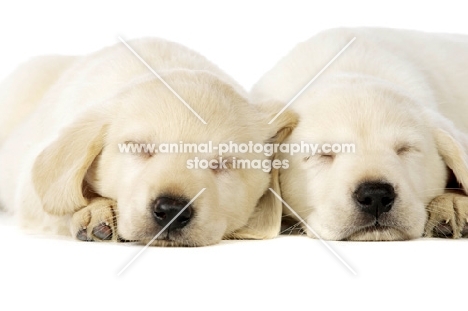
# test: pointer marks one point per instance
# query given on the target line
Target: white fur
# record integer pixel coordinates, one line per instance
(389, 89)
(62, 121)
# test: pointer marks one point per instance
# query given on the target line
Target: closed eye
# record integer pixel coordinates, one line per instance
(141, 149)
(222, 164)
(404, 149)
(326, 157)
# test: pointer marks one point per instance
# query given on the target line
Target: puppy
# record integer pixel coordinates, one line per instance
(399, 97)
(64, 120)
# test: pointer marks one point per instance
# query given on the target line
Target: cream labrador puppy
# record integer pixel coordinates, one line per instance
(64, 118)
(400, 98)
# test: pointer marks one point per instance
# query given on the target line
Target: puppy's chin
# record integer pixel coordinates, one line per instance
(379, 233)
(168, 239)
(175, 243)
(169, 242)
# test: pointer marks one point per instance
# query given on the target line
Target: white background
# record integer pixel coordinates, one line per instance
(245, 38)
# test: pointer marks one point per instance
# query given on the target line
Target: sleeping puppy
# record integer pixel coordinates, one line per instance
(64, 118)
(400, 98)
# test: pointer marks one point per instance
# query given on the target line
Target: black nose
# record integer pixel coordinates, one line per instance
(375, 198)
(172, 210)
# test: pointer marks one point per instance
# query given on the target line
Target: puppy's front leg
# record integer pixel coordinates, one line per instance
(447, 209)
(96, 222)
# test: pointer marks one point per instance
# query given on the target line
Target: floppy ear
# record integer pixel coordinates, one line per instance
(59, 170)
(452, 145)
(454, 155)
(278, 126)
(265, 222)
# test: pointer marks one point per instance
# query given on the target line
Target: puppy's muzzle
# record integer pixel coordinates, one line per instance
(172, 210)
(374, 198)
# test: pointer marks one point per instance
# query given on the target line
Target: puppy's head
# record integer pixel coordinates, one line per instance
(396, 162)
(171, 188)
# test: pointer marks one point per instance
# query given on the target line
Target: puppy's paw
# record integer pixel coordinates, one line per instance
(96, 222)
(448, 215)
